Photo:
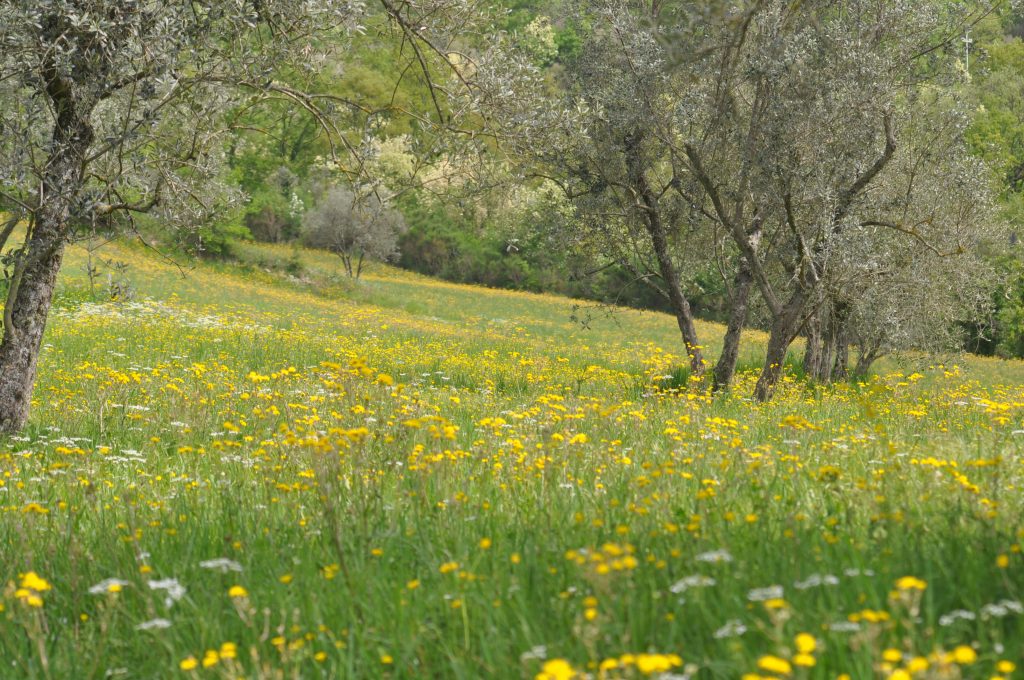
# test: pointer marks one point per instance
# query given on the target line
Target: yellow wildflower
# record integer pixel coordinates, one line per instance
(910, 583)
(964, 655)
(556, 669)
(805, 643)
(773, 664)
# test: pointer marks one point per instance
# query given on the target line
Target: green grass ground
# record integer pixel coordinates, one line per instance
(242, 473)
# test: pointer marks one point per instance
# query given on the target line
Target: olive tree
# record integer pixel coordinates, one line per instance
(353, 227)
(594, 132)
(113, 108)
(806, 115)
(801, 132)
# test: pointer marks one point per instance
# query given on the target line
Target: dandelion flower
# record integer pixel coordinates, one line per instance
(556, 669)
(773, 664)
(964, 655)
(805, 643)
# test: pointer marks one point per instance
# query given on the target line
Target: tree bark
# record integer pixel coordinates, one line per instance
(31, 292)
(783, 331)
(648, 205)
(681, 307)
(827, 329)
(813, 348)
(827, 351)
(867, 355)
(725, 367)
(863, 365)
(19, 349)
(839, 367)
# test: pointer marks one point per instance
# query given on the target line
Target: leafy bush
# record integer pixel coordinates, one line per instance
(271, 224)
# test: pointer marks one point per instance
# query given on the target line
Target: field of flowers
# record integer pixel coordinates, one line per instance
(240, 474)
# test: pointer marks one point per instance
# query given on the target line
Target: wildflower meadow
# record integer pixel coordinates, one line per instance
(246, 474)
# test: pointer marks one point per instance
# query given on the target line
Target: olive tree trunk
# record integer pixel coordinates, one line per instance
(784, 330)
(35, 273)
(652, 219)
(813, 347)
(725, 368)
(827, 356)
(840, 343)
(680, 305)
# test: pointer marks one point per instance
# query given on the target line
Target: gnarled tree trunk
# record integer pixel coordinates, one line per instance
(725, 367)
(35, 275)
(839, 342)
(784, 329)
(29, 301)
(813, 347)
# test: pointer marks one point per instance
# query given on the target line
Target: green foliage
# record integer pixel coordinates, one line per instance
(569, 43)
(271, 217)
(996, 134)
(997, 131)
(1007, 340)
(443, 243)
(213, 240)
(440, 243)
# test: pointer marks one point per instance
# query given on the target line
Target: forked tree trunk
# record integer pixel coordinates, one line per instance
(725, 367)
(783, 331)
(827, 356)
(32, 285)
(346, 260)
(867, 355)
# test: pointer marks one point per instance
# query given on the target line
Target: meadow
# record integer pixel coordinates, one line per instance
(242, 473)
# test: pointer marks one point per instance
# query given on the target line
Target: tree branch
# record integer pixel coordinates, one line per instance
(909, 231)
(739, 235)
(847, 198)
(8, 229)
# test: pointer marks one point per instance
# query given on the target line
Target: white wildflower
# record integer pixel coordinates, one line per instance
(769, 593)
(154, 624)
(694, 581)
(951, 618)
(175, 591)
(815, 580)
(222, 564)
(732, 628)
(714, 556)
(107, 586)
